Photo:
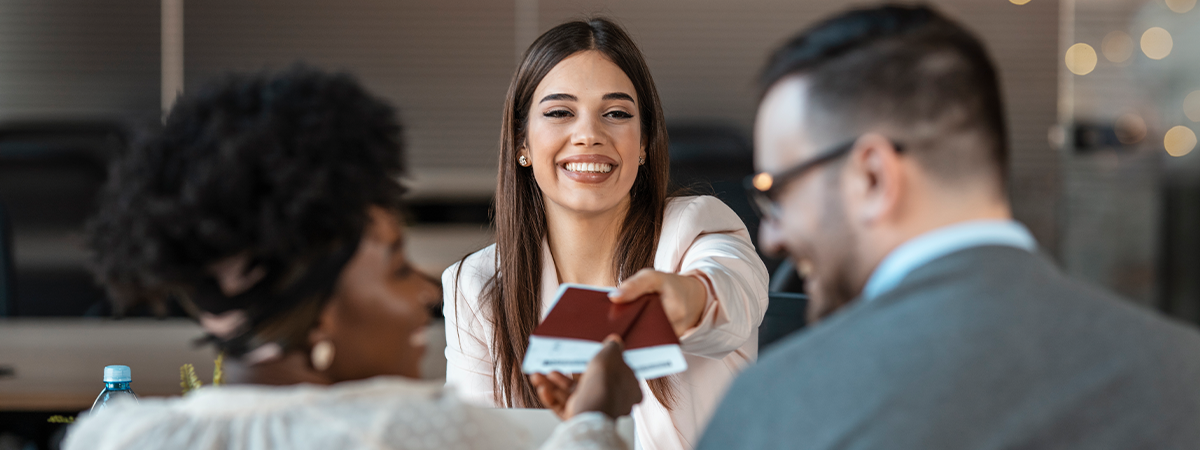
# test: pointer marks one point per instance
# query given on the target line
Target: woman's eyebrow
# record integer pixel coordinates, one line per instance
(552, 97)
(618, 96)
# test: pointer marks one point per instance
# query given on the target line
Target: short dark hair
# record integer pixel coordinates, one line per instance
(907, 69)
(280, 167)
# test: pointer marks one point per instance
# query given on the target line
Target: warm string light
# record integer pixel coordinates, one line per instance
(1130, 128)
(1181, 6)
(1191, 106)
(1156, 43)
(1081, 59)
(1179, 141)
(1117, 46)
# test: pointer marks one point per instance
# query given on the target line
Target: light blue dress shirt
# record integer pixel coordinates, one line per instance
(943, 241)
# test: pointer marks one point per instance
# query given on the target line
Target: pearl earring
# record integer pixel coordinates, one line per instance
(322, 355)
(522, 161)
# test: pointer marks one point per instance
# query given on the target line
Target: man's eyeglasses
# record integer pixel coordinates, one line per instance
(764, 187)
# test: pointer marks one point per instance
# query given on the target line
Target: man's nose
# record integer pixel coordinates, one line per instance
(770, 238)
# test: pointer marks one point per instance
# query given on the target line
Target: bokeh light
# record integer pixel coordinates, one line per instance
(1081, 59)
(1156, 43)
(1191, 106)
(1181, 6)
(1022, 2)
(763, 181)
(1117, 46)
(1179, 141)
(1130, 128)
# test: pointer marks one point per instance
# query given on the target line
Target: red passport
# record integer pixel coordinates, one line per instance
(580, 319)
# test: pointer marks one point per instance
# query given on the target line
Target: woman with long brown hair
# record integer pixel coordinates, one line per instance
(582, 198)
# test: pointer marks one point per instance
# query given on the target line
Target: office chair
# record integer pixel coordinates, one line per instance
(8, 278)
(786, 307)
(50, 174)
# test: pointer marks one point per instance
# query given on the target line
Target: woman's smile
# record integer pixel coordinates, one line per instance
(591, 169)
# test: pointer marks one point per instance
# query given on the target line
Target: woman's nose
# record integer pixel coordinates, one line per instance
(587, 131)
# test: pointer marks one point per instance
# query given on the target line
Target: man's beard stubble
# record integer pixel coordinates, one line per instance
(828, 295)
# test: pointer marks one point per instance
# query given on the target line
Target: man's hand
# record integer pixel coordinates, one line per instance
(554, 390)
(683, 297)
(608, 386)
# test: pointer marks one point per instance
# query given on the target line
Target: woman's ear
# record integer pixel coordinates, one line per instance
(321, 339)
(325, 328)
(523, 158)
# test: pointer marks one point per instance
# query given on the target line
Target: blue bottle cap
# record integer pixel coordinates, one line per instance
(117, 374)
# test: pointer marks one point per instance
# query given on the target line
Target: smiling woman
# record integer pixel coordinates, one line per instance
(582, 198)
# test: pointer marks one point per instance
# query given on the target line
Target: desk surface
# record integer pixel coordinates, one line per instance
(58, 364)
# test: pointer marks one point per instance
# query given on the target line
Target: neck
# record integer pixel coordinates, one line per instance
(584, 244)
(936, 208)
(291, 368)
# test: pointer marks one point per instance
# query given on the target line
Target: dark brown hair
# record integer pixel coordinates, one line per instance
(911, 69)
(513, 295)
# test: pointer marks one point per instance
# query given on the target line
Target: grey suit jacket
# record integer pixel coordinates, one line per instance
(986, 348)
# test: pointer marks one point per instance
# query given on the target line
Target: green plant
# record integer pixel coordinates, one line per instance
(190, 382)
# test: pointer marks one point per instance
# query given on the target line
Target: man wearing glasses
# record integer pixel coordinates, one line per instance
(883, 151)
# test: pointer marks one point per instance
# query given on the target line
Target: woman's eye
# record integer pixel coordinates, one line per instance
(557, 114)
(618, 114)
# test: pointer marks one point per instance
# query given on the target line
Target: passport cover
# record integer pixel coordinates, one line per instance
(582, 316)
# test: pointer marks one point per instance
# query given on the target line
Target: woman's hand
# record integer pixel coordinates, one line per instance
(607, 386)
(683, 297)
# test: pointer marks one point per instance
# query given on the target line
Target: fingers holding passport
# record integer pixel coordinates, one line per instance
(683, 296)
(608, 386)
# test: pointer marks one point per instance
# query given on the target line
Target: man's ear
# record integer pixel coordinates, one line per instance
(875, 178)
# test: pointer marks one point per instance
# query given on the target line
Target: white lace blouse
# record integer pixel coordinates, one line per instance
(380, 413)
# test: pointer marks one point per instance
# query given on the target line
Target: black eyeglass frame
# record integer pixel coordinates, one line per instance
(763, 200)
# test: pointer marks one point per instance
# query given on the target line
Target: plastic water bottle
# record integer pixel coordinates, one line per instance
(116, 386)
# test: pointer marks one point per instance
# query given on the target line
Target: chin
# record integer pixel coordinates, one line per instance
(592, 202)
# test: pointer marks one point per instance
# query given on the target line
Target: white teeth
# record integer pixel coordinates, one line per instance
(589, 167)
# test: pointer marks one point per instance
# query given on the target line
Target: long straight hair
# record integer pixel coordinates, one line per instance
(513, 295)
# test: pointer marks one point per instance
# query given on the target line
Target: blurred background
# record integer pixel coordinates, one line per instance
(1103, 103)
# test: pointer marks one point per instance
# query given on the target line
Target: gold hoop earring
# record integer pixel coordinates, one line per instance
(523, 161)
(322, 355)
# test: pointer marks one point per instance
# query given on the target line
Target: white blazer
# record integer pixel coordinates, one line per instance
(700, 235)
